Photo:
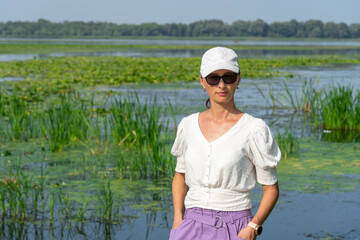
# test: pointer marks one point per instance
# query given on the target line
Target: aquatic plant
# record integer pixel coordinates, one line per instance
(65, 121)
(89, 71)
(340, 108)
(20, 119)
(287, 143)
(140, 127)
(106, 203)
(332, 108)
(97, 127)
(81, 211)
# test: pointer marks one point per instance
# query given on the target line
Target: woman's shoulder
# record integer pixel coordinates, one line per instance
(189, 119)
(255, 123)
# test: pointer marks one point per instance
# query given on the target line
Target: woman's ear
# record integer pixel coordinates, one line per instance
(202, 82)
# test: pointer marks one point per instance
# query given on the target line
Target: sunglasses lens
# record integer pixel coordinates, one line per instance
(213, 80)
(228, 79)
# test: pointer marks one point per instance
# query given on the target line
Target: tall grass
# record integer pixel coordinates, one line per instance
(65, 121)
(20, 122)
(137, 129)
(106, 203)
(56, 120)
(340, 109)
(287, 143)
(330, 108)
(141, 127)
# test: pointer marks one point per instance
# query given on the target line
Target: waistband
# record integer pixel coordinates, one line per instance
(214, 218)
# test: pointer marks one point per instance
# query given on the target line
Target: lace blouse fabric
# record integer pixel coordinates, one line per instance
(221, 173)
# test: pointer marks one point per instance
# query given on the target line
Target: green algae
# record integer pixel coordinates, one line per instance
(321, 166)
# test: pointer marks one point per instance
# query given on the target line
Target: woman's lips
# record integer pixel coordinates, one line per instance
(221, 94)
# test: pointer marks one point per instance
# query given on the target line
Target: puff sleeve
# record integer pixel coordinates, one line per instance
(264, 153)
(179, 147)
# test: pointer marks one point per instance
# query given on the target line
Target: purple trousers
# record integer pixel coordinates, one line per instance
(201, 224)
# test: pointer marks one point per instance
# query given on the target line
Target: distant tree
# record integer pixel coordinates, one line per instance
(284, 29)
(2, 28)
(259, 28)
(331, 30)
(354, 30)
(240, 28)
(150, 29)
(175, 30)
(300, 30)
(343, 30)
(207, 28)
(314, 28)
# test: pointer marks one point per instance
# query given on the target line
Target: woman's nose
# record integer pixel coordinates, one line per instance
(221, 83)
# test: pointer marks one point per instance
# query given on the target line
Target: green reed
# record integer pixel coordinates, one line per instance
(81, 212)
(340, 109)
(2, 200)
(126, 120)
(97, 127)
(308, 101)
(51, 205)
(63, 123)
(275, 100)
(35, 199)
(24, 120)
(121, 165)
(14, 197)
(19, 122)
(287, 143)
(19, 196)
(2, 101)
(332, 108)
(140, 130)
(65, 204)
(143, 128)
(106, 203)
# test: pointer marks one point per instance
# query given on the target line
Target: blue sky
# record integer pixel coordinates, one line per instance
(184, 11)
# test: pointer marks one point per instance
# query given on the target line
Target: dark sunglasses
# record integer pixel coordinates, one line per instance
(215, 79)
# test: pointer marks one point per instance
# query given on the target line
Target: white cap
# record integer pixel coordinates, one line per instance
(219, 58)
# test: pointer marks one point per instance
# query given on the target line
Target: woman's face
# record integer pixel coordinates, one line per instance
(221, 93)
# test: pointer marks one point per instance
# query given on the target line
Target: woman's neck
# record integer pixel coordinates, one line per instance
(222, 112)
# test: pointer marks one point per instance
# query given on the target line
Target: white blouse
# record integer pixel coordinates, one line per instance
(221, 173)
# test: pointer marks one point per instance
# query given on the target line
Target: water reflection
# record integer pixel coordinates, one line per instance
(151, 225)
(182, 53)
(340, 136)
(155, 225)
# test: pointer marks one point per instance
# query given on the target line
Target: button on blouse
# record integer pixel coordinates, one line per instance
(221, 173)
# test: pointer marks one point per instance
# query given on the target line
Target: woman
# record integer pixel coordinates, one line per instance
(221, 153)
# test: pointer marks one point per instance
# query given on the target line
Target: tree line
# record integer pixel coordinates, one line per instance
(207, 28)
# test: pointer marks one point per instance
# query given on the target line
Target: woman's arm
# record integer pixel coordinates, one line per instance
(268, 201)
(179, 190)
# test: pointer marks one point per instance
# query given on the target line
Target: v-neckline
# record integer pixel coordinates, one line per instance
(220, 137)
